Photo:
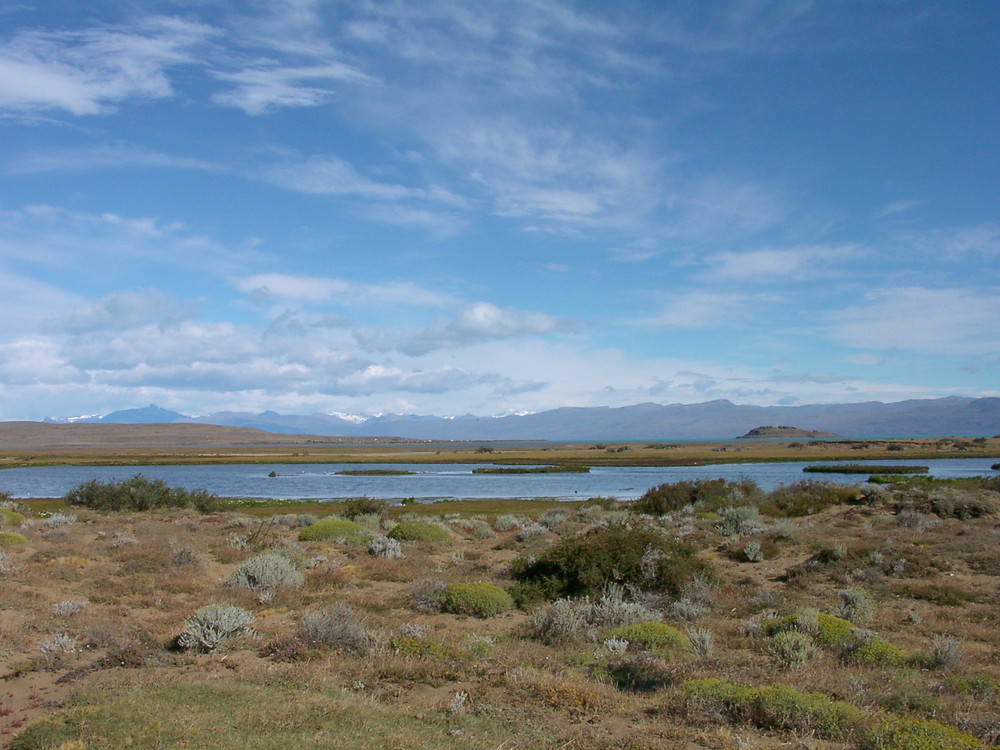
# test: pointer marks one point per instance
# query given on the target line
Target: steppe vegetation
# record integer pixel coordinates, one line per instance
(707, 614)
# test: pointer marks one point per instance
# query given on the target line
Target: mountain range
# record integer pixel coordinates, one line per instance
(720, 419)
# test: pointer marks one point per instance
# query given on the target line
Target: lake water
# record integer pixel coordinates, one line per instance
(440, 481)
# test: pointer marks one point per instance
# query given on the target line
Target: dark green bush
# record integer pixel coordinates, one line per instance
(138, 494)
(706, 494)
(362, 506)
(806, 498)
(624, 553)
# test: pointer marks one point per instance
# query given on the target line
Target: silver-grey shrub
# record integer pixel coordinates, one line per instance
(945, 650)
(59, 519)
(213, 626)
(552, 518)
(531, 530)
(792, 648)
(702, 641)
(742, 520)
(336, 626)
(856, 606)
(269, 572)
(383, 546)
(561, 621)
(69, 607)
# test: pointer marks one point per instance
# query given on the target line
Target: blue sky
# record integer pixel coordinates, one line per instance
(491, 208)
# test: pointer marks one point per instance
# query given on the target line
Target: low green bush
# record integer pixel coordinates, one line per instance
(622, 552)
(363, 506)
(11, 518)
(476, 599)
(828, 630)
(7, 538)
(780, 707)
(805, 498)
(652, 635)
(139, 494)
(419, 531)
(878, 652)
(906, 733)
(334, 528)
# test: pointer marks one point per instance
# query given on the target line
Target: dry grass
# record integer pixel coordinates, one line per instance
(106, 671)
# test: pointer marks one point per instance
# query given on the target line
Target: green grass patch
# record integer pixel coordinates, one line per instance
(225, 714)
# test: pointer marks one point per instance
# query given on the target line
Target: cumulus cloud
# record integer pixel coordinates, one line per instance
(122, 310)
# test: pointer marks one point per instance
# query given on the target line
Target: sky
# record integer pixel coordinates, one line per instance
(475, 207)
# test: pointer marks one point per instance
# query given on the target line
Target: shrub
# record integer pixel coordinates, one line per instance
(702, 641)
(743, 520)
(871, 650)
(899, 733)
(651, 635)
(7, 538)
(707, 494)
(59, 519)
(779, 707)
(806, 498)
(639, 673)
(11, 518)
(336, 626)
(333, 528)
(827, 629)
(266, 573)
(212, 626)
(559, 622)
(419, 531)
(630, 554)
(476, 599)
(945, 650)
(856, 606)
(363, 506)
(792, 648)
(69, 607)
(139, 494)
(383, 546)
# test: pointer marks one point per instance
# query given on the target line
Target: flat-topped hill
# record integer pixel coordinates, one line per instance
(784, 431)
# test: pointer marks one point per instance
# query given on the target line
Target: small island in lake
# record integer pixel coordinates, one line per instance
(784, 431)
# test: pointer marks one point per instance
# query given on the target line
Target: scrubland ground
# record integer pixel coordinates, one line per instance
(820, 619)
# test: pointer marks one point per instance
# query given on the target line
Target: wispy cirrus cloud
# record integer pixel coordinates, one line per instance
(86, 72)
(320, 289)
(117, 155)
(782, 264)
(260, 90)
(951, 321)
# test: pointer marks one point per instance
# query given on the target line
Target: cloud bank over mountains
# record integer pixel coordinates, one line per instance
(450, 208)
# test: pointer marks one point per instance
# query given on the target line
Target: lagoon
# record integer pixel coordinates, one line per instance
(440, 481)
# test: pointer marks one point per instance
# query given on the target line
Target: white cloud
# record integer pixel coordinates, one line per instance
(84, 72)
(320, 289)
(705, 309)
(112, 155)
(120, 311)
(477, 323)
(261, 90)
(926, 321)
(780, 264)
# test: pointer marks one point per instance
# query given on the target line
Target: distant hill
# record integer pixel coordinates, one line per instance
(719, 419)
(784, 431)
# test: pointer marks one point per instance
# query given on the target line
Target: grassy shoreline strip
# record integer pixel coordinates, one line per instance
(562, 469)
(863, 469)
